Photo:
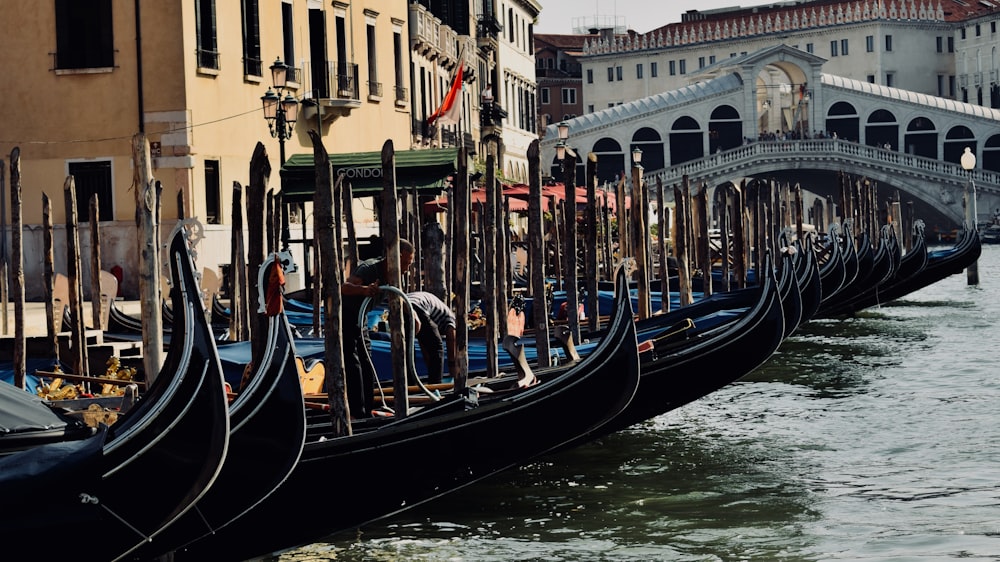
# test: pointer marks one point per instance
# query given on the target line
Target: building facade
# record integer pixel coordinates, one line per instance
(191, 76)
(943, 48)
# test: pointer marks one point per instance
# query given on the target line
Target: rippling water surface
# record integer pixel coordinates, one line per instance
(875, 438)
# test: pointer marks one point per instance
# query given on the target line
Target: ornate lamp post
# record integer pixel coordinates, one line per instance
(567, 156)
(279, 112)
(280, 115)
(971, 211)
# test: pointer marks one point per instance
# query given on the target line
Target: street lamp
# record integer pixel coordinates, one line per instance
(968, 161)
(280, 115)
(279, 112)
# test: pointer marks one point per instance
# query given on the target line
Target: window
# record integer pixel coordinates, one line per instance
(611, 104)
(288, 40)
(569, 96)
(940, 85)
(213, 209)
(993, 27)
(890, 79)
(638, 71)
(397, 57)
(951, 44)
(888, 43)
(611, 74)
(683, 66)
(701, 62)
(251, 39)
(374, 86)
(940, 45)
(962, 31)
(843, 47)
(810, 48)
(870, 43)
(84, 34)
(545, 96)
(590, 108)
(590, 75)
(618, 73)
(871, 78)
(833, 48)
(979, 30)
(673, 68)
(711, 59)
(93, 177)
(208, 48)
(951, 86)
(653, 69)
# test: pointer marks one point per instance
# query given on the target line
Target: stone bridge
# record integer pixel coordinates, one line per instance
(774, 114)
(937, 188)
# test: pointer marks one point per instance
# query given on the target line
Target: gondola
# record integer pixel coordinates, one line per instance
(28, 421)
(267, 433)
(681, 369)
(886, 263)
(123, 486)
(939, 264)
(833, 269)
(394, 464)
(810, 280)
(125, 327)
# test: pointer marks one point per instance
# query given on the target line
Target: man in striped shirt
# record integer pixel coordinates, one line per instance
(434, 319)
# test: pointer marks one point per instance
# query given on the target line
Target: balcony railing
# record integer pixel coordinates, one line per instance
(208, 59)
(488, 27)
(253, 67)
(335, 80)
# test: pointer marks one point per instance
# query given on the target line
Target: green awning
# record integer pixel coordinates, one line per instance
(425, 170)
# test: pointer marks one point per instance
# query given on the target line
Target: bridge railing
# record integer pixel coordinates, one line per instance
(735, 159)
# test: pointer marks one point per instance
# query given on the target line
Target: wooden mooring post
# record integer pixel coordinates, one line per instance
(147, 203)
(17, 269)
(536, 253)
(77, 327)
(460, 274)
(95, 263)
(329, 282)
(389, 224)
(488, 280)
(48, 274)
(592, 248)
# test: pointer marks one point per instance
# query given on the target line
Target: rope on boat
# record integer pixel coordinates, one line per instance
(409, 341)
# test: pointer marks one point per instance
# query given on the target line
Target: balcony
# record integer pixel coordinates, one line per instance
(425, 31)
(488, 30)
(335, 88)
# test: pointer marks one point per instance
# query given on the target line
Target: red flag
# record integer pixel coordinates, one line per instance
(452, 102)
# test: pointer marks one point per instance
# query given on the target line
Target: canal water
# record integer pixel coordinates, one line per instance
(875, 438)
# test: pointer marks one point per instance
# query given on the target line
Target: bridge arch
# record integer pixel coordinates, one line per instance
(991, 153)
(842, 120)
(685, 140)
(649, 141)
(882, 129)
(955, 141)
(610, 159)
(725, 129)
(921, 138)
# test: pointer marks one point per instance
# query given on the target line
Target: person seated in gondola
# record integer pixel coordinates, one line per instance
(434, 320)
(363, 282)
